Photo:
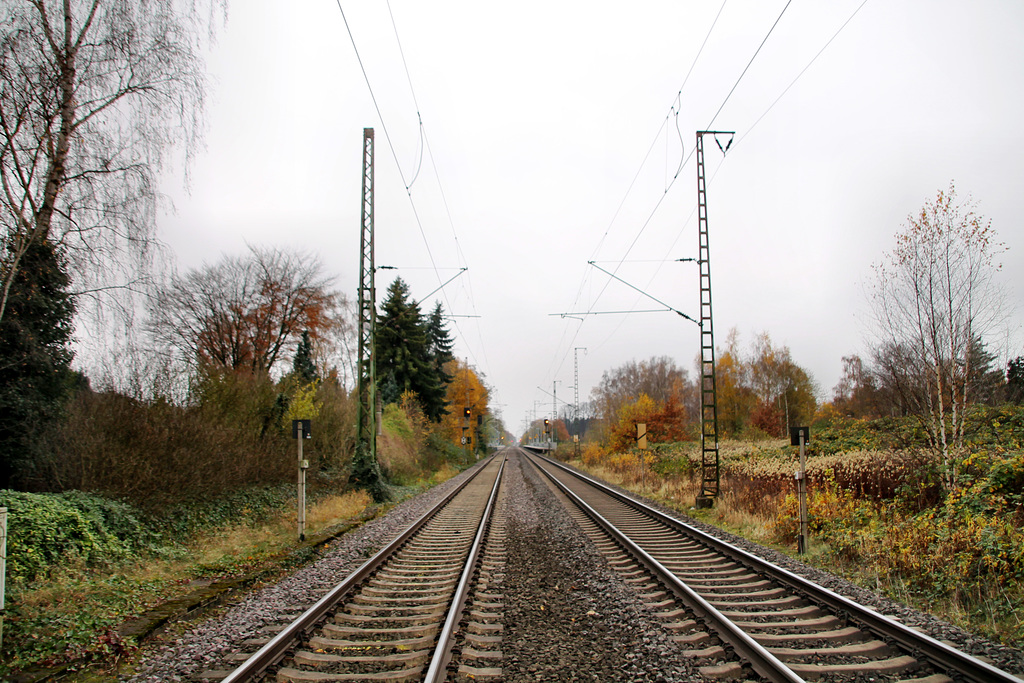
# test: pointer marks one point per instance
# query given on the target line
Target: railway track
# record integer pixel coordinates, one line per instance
(740, 616)
(397, 618)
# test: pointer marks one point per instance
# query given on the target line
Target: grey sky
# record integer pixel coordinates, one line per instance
(538, 116)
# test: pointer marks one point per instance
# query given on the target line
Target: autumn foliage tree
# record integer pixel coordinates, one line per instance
(659, 378)
(736, 399)
(784, 389)
(765, 390)
(856, 394)
(466, 390)
(246, 313)
(665, 422)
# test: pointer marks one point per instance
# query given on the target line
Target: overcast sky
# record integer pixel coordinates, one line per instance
(555, 128)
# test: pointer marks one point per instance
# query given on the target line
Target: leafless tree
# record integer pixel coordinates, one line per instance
(933, 296)
(245, 313)
(94, 94)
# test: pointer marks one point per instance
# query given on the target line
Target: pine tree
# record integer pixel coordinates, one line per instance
(1015, 380)
(403, 352)
(440, 344)
(36, 379)
(302, 363)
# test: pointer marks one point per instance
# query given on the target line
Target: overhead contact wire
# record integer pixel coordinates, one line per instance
(677, 98)
(394, 154)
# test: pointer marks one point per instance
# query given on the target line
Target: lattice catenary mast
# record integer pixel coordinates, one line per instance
(708, 389)
(365, 468)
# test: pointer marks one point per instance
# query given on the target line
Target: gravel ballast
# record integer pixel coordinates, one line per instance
(1001, 656)
(567, 616)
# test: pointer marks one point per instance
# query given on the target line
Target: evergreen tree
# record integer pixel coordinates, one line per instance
(36, 379)
(440, 344)
(389, 391)
(1015, 380)
(985, 379)
(403, 351)
(302, 364)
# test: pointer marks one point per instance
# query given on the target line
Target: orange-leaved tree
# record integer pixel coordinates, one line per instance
(466, 390)
(665, 422)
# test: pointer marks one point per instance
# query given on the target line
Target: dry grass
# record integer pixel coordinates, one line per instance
(732, 509)
(279, 533)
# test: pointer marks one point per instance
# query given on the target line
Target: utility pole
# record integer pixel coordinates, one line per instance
(576, 400)
(708, 389)
(365, 469)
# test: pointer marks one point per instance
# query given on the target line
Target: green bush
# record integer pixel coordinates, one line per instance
(46, 531)
(252, 505)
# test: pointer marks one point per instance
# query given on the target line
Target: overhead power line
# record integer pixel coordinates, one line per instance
(752, 58)
(682, 163)
(802, 72)
(425, 148)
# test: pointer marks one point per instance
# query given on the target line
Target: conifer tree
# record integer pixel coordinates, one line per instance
(302, 363)
(403, 352)
(36, 379)
(1015, 380)
(440, 343)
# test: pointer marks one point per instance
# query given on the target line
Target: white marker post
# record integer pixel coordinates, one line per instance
(301, 429)
(799, 437)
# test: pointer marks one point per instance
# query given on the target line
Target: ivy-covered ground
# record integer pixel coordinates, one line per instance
(70, 550)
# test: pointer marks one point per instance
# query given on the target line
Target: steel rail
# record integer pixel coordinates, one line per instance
(934, 651)
(755, 654)
(273, 651)
(443, 652)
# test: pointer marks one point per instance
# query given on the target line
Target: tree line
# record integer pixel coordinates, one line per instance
(935, 300)
(247, 344)
(760, 392)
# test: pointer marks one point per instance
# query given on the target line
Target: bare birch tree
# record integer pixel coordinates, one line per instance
(93, 96)
(933, 296)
